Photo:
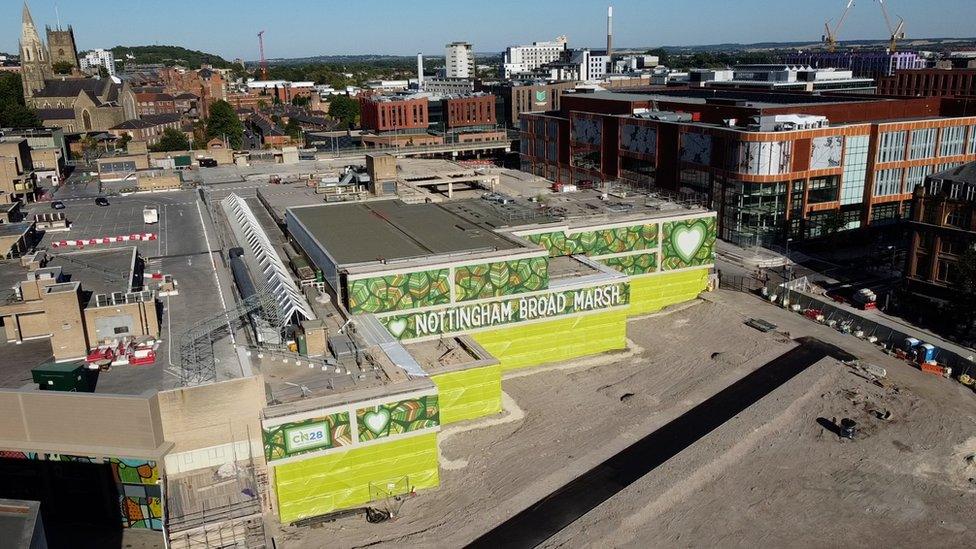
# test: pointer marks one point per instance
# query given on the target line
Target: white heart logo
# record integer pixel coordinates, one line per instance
(688, 240)
(377, 421)
(397, 327)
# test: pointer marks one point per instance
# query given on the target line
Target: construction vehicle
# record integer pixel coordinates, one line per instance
(896, 33)
(830, 34)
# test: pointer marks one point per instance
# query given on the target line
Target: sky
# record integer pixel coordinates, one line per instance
(303, 28)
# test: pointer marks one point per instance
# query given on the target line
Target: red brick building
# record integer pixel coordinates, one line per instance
(387, 113)
(155, 103)
(929, 82)
(469, 110)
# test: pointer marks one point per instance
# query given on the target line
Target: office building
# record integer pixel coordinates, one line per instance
(459, 60)
(527, 58)
(867, 64)
(515, 98)
(781, 78)
(929, 82)
(774, 165)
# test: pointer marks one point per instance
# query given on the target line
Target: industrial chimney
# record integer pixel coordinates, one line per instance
(420, 71)
(610, 33)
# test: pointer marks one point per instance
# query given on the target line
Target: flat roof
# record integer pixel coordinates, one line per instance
(98, 271)
(392, 230)
(14, 229)
(752, 98)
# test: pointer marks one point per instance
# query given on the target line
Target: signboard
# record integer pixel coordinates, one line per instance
(307, 437)
(507, 311)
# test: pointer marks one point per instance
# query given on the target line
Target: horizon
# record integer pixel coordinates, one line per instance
(685, 25)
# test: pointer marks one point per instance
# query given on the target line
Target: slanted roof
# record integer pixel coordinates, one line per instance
(71, 87)
(134, 124)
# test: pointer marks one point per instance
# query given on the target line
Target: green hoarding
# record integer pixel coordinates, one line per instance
(688, 243)
(501, 278)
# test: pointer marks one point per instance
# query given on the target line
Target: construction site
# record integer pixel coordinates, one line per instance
(362, 351)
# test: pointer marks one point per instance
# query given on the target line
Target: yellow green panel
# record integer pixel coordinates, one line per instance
(324, 484)
(469, 394)
(534, 344)
(653, 293)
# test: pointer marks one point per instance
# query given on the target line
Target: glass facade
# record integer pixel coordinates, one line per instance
(923, 143)
(754, 212)
(891, 146)
(916, 176)
(953, 141)
(823, 189)
(972, 140)
(888, 182)
(855, 169)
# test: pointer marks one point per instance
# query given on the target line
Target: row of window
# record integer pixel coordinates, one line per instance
(892, 145)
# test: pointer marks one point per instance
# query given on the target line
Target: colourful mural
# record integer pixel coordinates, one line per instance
(310, 435)
(501, 278)
(133, 471)
(599, 241)
(492, 314)
(397, 418)
(138, 512)
(688, 243)
(636, 264)
(399, 292)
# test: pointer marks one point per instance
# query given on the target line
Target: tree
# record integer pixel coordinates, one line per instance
(965, 283)
(102, 72)
(62, 67)
(344, 109)
(224, 124)
(301, 101)
(293, 129)
(172, 140)
(14, 113)
(123, 141)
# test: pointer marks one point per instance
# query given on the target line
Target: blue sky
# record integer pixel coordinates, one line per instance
(298, 28)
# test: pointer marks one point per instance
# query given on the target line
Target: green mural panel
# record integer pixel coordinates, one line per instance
(310, 435)
(397, 418)
(652, 293)
(636, 264)
(688, 243)
(501, 278)
(598, 242)
(323, 484)
(469, 394)
(465, 318)
(399, 292)
(555, 341)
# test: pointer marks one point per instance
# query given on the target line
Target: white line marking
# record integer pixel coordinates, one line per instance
(213, 265)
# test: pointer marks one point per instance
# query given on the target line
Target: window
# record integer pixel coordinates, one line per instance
(885, 213)
(953, 141)
(956, 218)
(916, 177)
(891, 146)
(947, 272)
(855, 169)
(923, 143)
(887, 182)
(822, 189)
(972, 140)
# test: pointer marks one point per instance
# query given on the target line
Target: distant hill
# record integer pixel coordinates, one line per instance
(168, 55)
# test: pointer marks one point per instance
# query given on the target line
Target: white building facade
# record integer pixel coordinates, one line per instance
(98, 58)
(459, 60)
(527, 58)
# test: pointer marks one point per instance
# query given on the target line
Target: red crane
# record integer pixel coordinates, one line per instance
(264, 62)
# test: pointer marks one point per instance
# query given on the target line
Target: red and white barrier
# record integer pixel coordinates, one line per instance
(81, 243)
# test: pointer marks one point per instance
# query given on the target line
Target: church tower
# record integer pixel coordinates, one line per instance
(34, 59)
(61, 45)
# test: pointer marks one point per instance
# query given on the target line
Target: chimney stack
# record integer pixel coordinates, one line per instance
(610, 32)
(420, 71)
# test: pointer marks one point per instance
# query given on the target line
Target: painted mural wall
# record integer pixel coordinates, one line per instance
(398, 292)
(501, 278)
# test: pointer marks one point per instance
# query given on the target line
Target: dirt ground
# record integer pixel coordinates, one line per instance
(904, 480)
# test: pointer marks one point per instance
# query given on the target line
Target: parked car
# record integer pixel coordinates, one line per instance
(101, 201)
(57, 205)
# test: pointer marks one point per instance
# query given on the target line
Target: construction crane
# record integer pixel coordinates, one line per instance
(896, 33)
(830, 36)
(264, 62)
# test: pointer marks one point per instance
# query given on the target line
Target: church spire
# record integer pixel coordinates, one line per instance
(34, 59)
(28, 20)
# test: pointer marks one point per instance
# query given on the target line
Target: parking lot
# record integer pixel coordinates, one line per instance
(184, 238)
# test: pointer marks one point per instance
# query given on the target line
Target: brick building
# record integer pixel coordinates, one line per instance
(206, 84)
(943, 226)
(149, 128)
(469, 110)
(929, 82)
(774, 165)
(155, 103)
(515, 98)
(388, 113)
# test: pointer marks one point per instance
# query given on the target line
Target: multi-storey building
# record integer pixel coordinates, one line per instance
(515, 98)
(459, 60)
(524, 59)
(927, 82)
(781, 78)
(943, 225)
(867, 64)
(97, 59)
(773, 165)
(381, 113)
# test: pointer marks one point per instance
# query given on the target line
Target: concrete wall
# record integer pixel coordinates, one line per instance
(143, 320)
(213, 424)
(83, 424)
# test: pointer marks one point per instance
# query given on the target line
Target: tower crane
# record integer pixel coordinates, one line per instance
(830, 36)
(896, 33)
(264, 62)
